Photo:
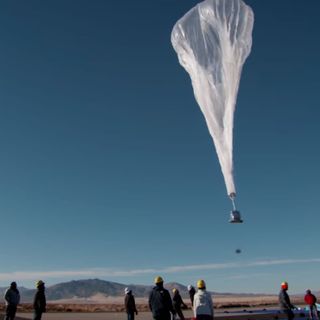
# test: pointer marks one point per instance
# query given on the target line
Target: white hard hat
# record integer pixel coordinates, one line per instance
(127, 290)
(189, 287)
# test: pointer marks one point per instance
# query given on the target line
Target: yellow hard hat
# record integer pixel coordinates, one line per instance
(201, 284)
(39, 283)
(158, 280)
(174, 290)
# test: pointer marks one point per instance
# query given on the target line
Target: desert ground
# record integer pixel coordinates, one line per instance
(116, 304)
(226, 307)
(147, 316)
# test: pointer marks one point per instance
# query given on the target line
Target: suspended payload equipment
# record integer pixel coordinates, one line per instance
(235, 216)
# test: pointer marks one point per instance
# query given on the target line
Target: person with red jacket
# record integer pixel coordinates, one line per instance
(311, 300)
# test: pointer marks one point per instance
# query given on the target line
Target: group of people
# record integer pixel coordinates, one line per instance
(160, 303)
(163, 307)
(12, 299)
(287, 307)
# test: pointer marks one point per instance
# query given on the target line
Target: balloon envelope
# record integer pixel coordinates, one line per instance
(212, 42)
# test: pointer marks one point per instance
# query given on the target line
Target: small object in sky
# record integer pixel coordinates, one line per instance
(212, 42)
(238, 251)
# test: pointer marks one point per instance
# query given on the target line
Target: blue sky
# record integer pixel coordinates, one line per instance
(107, 167)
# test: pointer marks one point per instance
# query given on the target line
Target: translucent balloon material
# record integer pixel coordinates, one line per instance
(212, 42)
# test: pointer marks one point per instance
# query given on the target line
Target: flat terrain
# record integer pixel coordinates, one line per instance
(227, 307)
(116, 304)
(250, 315)
(88, 316)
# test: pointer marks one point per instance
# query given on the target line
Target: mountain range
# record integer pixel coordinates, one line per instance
(91, 290)
(84, 289)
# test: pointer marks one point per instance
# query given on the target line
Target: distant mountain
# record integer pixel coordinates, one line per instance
(89, 288)
(85, 289)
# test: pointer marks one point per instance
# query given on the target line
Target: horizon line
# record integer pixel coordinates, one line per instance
(116, 272)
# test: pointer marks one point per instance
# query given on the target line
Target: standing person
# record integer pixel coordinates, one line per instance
(12, 298)
(160, 302)
(311, 300)
(192, 292)
(39, 302)
(202, 303)
(284, 301)
(130, 304)
(178, 303)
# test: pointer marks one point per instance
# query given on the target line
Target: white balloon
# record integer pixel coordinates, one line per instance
(212, 42)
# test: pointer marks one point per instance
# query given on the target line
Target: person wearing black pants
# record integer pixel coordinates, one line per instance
(130, 304)
(160, 302)
(12, 298)
(39, 302)
(178, 303)
(284, 301)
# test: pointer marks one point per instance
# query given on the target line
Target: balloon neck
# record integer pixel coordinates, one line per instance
(232, 197)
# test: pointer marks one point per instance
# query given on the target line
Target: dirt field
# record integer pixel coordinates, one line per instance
(226, 307)
(90, 316)
(250, 315)
(115, 304)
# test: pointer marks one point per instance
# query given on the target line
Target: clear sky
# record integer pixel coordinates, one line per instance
(107, 169)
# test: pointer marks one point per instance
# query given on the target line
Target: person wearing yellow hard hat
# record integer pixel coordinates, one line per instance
(39, 302)
(158, 280)
(284, 301)
(160, 302)
(202, 303)
(178, 303)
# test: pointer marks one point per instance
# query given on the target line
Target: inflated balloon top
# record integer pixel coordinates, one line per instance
(212, 42)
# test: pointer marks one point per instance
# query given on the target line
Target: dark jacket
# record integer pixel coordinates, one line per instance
(12, 297)
(160, 302)
(284, 300)
(177, 301)
(192, 292)
(130, 303)
(39, 302)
